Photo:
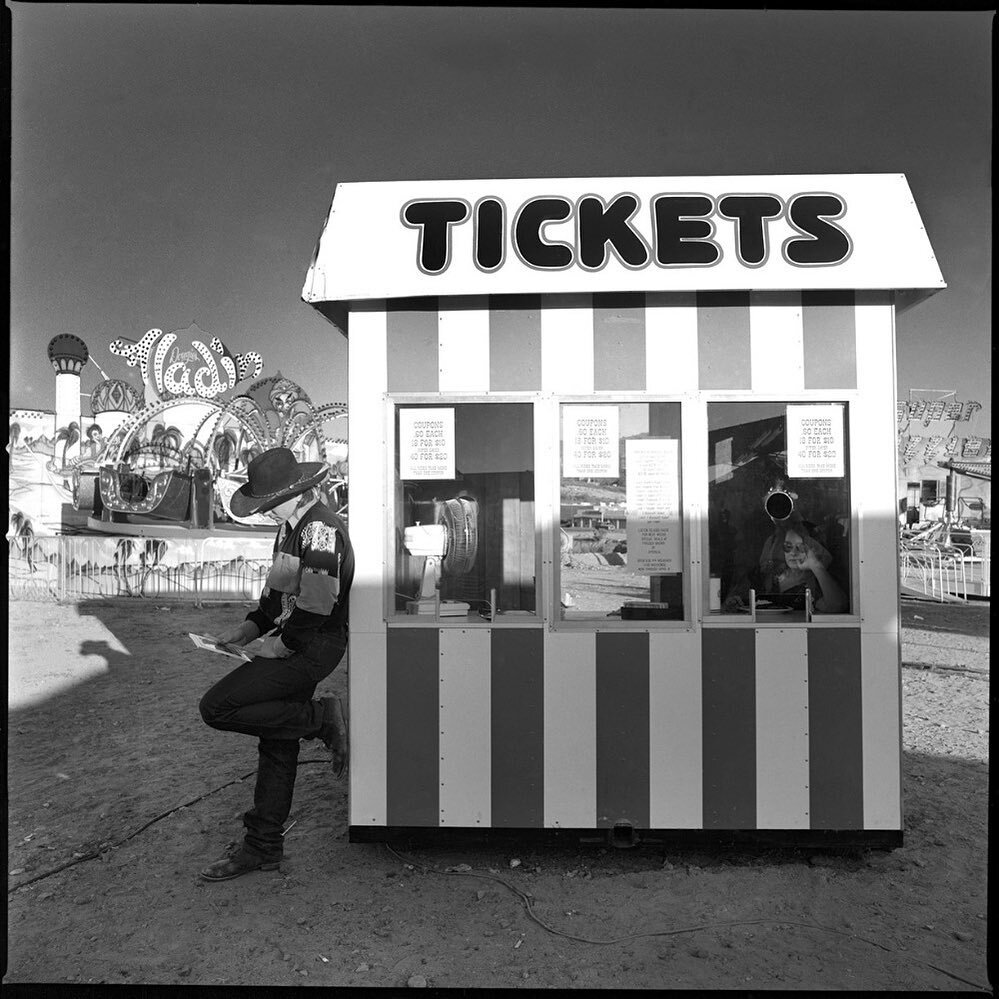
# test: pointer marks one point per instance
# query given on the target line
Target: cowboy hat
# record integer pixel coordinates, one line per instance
(274, 477)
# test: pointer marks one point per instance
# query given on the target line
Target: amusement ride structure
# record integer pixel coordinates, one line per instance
(173, 454)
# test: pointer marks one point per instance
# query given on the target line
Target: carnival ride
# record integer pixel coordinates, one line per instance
(177, 459)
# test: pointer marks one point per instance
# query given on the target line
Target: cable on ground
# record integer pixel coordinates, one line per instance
(527, 901)
(105, 848)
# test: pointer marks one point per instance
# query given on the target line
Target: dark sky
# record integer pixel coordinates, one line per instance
(174, 164)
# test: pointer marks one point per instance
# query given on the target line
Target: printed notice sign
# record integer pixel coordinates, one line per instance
(426, 443)
(815, 442)
(590, 447)
(653, 496)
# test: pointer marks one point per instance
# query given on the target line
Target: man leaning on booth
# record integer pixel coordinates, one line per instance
(302, 613)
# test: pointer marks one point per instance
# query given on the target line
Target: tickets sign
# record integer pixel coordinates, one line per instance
(685, 230)
(621, 234)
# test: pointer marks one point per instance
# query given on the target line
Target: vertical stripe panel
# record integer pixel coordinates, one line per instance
(873, 464)
(366, 677)
(675, 795)
(515, 343)
(728, 695)
(412, 345)
(829, 334)
(619, 342)
(412, 716)
(671, 342)
(723, 340)
(463, 344)
(366, 351)
(622, 678)
(882, 731)
(781, 728)
(835, 729)
(570, 724)
(518, 722)
(464, 727)
(567, 344)
(775, 342)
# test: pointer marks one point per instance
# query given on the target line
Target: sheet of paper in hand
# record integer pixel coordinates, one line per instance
(223, 648)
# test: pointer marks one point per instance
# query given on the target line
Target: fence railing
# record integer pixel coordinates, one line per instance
(981, 560)
(71, 567)
(933, 564)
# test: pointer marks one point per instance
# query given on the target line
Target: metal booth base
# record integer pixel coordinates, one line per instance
(626, 836)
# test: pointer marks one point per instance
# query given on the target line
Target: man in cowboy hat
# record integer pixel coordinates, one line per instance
(302, 613)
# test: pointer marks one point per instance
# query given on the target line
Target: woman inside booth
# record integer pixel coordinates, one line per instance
(793, 560)
(799, 543)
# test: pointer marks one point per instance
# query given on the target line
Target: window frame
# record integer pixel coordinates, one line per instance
(851, 399)
(546, 412)
(687, 403)
(390, 616)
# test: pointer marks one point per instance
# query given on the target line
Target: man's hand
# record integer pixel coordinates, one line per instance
(274, 648)
(244, 632)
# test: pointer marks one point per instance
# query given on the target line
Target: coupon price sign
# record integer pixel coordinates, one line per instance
(426, 443)
(815, 447)
(590, 444)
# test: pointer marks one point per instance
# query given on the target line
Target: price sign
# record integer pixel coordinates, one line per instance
(426, 443)
(815, 442)
(590, 445)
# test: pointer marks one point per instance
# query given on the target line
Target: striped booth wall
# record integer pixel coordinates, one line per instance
(626, 342)
(710, 728)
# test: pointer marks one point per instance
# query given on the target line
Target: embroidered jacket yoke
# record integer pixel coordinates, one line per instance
(308, 585)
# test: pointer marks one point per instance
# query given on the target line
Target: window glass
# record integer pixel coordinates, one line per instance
(464, 508)
(779, 510)
(621, 536)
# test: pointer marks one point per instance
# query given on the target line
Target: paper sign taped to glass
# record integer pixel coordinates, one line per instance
(815, 442)
(653, 498)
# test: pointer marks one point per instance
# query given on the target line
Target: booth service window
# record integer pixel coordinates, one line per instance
(779, 512)
(464, 512)
(621, 539)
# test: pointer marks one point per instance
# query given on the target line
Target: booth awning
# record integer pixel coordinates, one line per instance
(400, 239)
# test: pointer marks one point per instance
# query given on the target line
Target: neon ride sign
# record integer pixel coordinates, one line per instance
(685, 231)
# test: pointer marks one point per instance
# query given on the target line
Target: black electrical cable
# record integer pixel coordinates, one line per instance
(527, 901)
(95, 854)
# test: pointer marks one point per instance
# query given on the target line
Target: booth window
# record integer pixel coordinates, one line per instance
(779, 509)
(464, 511)
(621, 551)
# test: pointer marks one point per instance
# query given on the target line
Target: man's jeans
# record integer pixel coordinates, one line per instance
(272, 699)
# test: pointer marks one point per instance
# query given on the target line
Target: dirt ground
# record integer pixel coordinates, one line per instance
(119, 794)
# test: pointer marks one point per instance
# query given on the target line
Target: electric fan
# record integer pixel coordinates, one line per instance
(447, 547)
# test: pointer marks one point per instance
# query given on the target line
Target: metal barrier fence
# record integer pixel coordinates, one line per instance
(931, 564)
(981, 558)
(71, 567)
(935, 570)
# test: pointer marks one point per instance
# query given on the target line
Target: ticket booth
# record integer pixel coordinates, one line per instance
(622, 498)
